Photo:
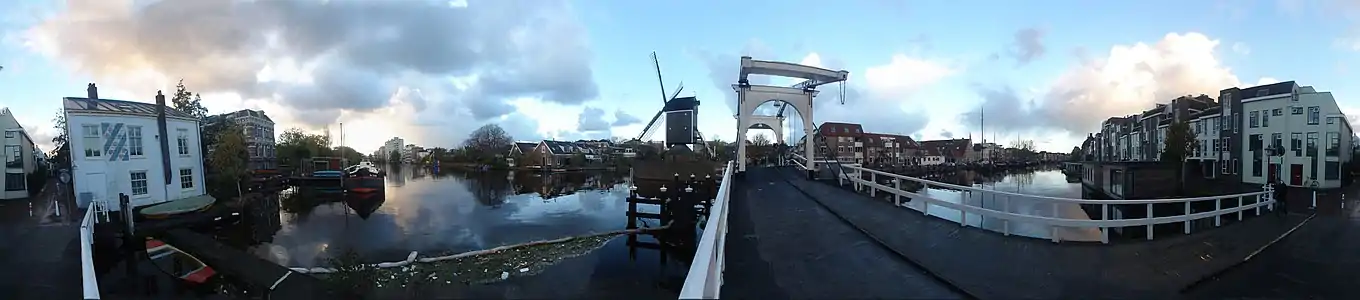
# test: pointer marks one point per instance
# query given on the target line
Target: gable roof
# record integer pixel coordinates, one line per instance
(560, 147)
(525, 147)
(951, 147)
(120, 107)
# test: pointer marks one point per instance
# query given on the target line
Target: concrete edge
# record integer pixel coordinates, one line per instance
(1215, 274)
(946, 281)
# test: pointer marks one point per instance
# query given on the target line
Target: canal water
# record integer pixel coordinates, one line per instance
(1041, 181)
(437, 212)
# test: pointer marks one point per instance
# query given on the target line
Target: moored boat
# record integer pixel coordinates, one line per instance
(178, 263)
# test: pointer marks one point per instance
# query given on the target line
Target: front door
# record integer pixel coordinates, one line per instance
(1296, 174)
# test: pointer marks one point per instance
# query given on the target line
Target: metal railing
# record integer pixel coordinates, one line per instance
(89, 280)
(704, 280)
(1259, 199)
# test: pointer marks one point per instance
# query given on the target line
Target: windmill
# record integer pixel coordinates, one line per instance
(681, 116)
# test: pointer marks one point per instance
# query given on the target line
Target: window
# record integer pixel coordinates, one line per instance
(1253, 115)
(9, 133)
(1216, 123)
(1312, 144)
(186, 178)
(139, 183)
(1223, 167)
(1265, 118)
(1262, 92)
(1331, 121)
(183, 141)
(1217, 146)
(1313, 115)
(1333, 144)
(15, 182)
(1277, 142)
(14, 157)
(1256, 165)
(1296, 143)
(1236, 122)
(135, 141)
(91, 139)
(1333, 171)
(1236, 166)
(1277, 112)
(1296, 110)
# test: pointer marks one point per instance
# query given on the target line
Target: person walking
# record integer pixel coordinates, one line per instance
(1281, 198)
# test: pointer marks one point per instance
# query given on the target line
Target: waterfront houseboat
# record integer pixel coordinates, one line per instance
(147, 151)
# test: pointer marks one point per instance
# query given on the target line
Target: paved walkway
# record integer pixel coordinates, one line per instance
(1321, 260)
(782, 244)
(40, 252)
(989, 265)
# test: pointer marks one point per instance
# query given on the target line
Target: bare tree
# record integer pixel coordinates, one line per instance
(487, 140)
(760, 139)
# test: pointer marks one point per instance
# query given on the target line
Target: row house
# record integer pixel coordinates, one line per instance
(840, 141)
(1276, 132)
(889, 149)
(20, 157)
(555, 153)
(258, 130)
(945, 151)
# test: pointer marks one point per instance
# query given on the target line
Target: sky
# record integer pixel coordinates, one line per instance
(431, 72)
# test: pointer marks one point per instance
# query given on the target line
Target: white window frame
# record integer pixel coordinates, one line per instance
(186, 178)
(93, 140)
(182, 140)
(136, 146)
(146, 181)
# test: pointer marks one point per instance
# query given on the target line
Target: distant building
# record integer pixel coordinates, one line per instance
(258, 129)
(842, 142)
(394, 144)
(947, 151)
(21, 157)
(117, 148)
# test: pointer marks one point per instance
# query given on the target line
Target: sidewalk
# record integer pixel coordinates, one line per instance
(993, 266)
(41, 251)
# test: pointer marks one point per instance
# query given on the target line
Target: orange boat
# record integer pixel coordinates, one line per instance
(172, 260)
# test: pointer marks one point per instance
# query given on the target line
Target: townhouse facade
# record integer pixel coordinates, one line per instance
(258, 130)
(1282, 132)
(149, 152)
(21, 157)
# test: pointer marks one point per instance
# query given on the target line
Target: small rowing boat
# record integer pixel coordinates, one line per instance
(174, 261)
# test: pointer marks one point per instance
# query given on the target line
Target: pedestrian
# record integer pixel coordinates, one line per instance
(1281, 198)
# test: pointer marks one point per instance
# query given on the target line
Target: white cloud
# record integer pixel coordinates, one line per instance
(1241, 49)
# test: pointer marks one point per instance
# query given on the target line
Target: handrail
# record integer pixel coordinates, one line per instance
(1261, 199)
(89, 280)
(704, 280)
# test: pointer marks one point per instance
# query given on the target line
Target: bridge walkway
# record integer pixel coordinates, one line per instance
(782, 244)
(804, 226)
(1320, 260)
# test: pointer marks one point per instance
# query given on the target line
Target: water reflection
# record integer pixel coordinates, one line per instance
(435, 211)
(1042, 182)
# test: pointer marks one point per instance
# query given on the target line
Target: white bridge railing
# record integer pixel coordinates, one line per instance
(89, 280)
(876, 179)
(705, 277)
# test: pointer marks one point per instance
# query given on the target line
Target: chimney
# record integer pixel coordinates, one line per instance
(91, 96)
(164, 136)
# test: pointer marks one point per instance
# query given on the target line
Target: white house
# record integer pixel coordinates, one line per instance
(1307, 124)
(148, 151)
(1206, 126)
(19, 157)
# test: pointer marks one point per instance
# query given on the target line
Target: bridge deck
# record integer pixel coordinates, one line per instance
(983, 264)
(782, 244)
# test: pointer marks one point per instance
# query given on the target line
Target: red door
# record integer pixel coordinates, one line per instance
(1296, 174)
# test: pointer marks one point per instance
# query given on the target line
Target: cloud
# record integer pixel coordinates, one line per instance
(1241, 49)
(592, 119)
(624, 119)
(1130, 79)
(320, 61)
(946, 134)
(1028, 45)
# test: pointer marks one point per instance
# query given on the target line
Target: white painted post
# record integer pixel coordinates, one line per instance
(1218, 218)
(1149, 226)
(897, 197)
(1314, 206)
(1104, 231)
(1187, 213)
(873, 190)
(1005, 223)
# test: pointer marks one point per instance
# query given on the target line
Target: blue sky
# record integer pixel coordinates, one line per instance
(580, 69)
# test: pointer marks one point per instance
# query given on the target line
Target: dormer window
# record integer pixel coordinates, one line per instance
(1262, 93)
